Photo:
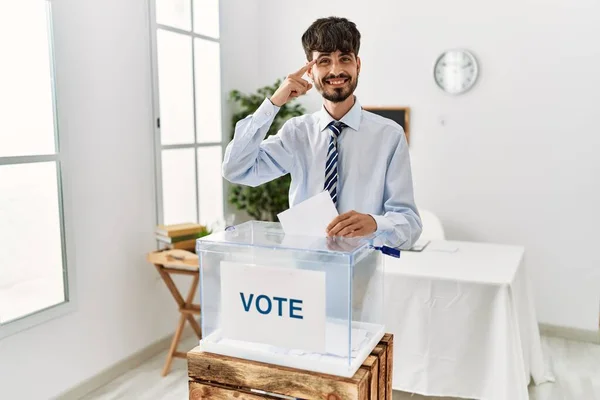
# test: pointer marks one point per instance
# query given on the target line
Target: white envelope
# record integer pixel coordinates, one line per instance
(309, 218)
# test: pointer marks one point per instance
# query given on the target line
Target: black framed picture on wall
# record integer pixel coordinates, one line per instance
(400, 115)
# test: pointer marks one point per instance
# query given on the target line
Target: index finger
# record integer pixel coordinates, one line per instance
(337, 220)
(302, 70)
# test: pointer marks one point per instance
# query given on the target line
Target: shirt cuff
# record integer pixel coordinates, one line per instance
(265, 112)
(383, 224)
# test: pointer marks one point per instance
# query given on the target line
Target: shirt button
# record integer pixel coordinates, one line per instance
(268, 113)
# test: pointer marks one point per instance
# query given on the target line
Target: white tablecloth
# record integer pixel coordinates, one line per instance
(464, 322)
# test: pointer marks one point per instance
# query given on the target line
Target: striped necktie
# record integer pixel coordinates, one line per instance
(331, 170)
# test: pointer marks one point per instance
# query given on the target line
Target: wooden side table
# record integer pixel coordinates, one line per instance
(167, 265)
(213, 376)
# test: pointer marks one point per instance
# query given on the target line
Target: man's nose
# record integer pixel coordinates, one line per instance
(336, 68)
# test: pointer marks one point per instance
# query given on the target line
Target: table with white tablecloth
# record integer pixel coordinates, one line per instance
(464, 321)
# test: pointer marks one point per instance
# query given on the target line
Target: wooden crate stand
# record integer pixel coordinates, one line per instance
(213, 376)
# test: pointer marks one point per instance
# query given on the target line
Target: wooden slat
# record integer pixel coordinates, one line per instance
(201, 391)
(235, 372)
(192, 290)
(371, 364)
(195, 325)
(363, 387)
(170, 285)
(180, 271)
(174, 343)
(380, 352)
(192, 311)
(388, 340)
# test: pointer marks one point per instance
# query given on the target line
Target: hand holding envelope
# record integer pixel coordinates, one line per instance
(317, 216)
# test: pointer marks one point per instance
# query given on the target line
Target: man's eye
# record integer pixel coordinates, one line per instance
(323, 61)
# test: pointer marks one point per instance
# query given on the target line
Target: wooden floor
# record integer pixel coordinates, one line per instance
(576, 367)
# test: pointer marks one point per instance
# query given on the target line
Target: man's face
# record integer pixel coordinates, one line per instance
(335, 75)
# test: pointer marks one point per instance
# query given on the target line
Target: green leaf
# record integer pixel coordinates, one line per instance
(265, 201)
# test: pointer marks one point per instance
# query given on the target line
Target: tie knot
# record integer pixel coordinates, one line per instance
(336, 127)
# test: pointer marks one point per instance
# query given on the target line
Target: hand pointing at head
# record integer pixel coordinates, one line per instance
(293, 86)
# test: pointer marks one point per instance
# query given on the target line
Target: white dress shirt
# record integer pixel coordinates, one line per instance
(374, 172)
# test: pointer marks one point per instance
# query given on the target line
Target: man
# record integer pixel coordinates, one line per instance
(361, 158)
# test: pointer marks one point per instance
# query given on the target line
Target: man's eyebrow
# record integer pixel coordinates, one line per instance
(342, 54)
(346, 53)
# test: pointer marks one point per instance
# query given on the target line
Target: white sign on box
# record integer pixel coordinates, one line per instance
(282, 307)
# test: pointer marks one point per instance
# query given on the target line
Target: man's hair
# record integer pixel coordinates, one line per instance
(327, 35)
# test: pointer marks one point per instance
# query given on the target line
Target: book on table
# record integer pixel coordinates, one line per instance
(179, 236)
(178, 230)
(177, 239)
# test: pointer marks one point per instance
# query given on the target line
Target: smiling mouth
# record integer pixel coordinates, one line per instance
(336, 82)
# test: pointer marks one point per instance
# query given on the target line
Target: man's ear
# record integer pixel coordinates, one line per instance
(357, 65)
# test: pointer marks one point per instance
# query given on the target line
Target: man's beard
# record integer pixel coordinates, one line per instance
(337, 95)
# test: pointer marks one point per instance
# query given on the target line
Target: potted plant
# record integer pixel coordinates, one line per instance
(264, 202)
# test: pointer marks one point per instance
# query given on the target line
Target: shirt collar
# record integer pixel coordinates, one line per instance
(352, 117)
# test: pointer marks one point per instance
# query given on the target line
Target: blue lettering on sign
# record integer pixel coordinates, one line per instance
(246, 305)
(292, 308)
(266, 306)
(258, 299)
(280, 300)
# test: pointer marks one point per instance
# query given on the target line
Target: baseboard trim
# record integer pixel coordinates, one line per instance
(114, 371)
(580, 335)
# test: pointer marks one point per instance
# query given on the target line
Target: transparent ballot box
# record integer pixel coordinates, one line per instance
(312, 303)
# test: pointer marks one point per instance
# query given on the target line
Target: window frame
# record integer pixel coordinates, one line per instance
(158, 146)
(69, 304)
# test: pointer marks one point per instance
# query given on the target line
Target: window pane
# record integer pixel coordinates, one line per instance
(174, 13)
(206, 17)
(31, 267)
(178, 184)
(25, 80)
(210, 185)
(208, 91)
(175, 87)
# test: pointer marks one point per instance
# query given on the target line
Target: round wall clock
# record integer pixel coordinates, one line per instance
(456, 71)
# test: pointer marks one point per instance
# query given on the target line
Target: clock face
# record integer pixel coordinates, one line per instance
(455, 71)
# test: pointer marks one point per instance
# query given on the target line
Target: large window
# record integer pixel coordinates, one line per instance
(32, 248)
(187, 101)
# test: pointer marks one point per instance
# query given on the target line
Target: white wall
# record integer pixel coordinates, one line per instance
(516, 159)
(104, 83)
